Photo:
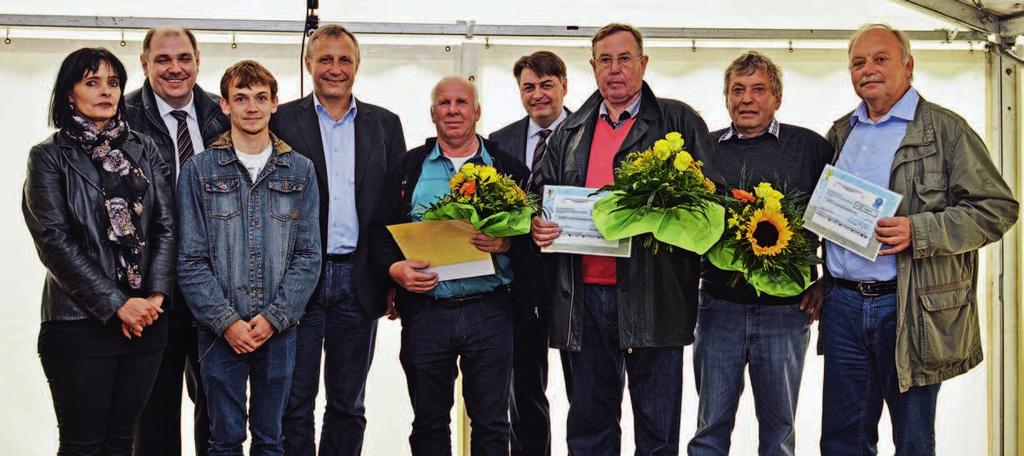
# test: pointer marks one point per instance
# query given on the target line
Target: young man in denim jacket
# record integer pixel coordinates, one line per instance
(248, 260)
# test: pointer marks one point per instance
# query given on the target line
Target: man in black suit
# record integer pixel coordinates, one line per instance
(351, 144)
(541, 78)
(182, 120)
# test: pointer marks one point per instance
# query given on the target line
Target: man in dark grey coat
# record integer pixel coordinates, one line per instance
(625, 316)
(182, 120)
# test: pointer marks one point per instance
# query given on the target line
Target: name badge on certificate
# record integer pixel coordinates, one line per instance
(845, 210)
(572, 208)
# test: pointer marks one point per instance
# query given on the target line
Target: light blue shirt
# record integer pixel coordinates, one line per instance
(868, 154)
(433, 184)
(533, 136)
(632, 110)
(339, 140)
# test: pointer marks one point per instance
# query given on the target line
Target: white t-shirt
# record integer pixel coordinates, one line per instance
(457, 162)
(254, 163)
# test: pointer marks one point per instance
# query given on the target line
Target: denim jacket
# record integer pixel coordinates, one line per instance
(247, 248)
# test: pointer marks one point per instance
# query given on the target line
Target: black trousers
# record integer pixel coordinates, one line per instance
(99, 399)
(159, 430)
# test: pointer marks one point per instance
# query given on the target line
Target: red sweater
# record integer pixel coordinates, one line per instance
(600, 270)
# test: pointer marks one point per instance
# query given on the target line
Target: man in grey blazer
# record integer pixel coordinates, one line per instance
(351, 144)
(541, 78)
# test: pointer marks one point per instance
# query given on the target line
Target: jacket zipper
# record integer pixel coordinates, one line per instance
(572, 301)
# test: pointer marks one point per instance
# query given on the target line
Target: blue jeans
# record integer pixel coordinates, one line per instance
(773, 340)
(336, 328)
(437, 342)
(268, 372)
(858, 337)
(598, 377)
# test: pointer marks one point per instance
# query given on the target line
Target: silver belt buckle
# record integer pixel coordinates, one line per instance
(862, 288)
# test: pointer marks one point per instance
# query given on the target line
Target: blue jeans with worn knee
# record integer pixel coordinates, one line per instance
(598, 374)
(858, 337)
(772, 340)
(335, 328)
(268, 374)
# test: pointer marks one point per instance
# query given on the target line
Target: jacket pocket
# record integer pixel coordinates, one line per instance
(930, 189)
(949, 325)
(285, 198)
(223, 197)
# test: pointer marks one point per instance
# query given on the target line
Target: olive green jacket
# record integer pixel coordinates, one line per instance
(957, 203)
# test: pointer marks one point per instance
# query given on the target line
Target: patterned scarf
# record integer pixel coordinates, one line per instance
(123, 186)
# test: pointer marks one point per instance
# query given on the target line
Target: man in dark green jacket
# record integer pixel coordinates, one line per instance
(893, 329)
(617, 316)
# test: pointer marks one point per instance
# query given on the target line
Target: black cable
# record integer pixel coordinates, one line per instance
(312, 23)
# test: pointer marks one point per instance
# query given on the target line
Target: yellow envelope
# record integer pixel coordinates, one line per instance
(445, 245)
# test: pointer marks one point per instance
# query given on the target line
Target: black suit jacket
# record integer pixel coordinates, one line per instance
(379, 143)
(144, 117)
(529, 289)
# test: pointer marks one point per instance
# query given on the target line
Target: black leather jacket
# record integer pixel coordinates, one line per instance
(657, 294)
(61, 204)
(143, 116)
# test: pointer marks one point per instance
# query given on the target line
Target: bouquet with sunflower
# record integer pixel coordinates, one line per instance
(492, 202)
(765, 242)
(662, 192)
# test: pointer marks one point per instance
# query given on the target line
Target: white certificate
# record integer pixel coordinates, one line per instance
(571, 208)
(845, 209)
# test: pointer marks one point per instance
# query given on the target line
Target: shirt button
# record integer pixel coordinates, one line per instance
(629, 350)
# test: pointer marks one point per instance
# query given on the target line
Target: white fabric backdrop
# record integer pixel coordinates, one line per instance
(399, 77)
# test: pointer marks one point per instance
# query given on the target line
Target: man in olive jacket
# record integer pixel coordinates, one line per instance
(893, 329)
(626, 315)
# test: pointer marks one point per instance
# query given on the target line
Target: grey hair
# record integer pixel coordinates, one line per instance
(454, 77)
(900, 36)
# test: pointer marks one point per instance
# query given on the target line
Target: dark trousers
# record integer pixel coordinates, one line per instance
(336, 329)
(528, 405)
(598, 378)
(159, 430)
(436, 343)
(858, 337)
(98, 400)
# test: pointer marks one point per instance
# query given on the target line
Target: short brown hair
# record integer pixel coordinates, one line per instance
(333, 31)
(246, 74)
(544, 63)
(148, 40)
(613, 28)
(748, 63)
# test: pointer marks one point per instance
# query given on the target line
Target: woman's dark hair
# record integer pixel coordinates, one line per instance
(74, 69)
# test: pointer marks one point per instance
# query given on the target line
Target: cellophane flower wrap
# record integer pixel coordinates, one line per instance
(661, 192)
(765, 243)
(492, 202)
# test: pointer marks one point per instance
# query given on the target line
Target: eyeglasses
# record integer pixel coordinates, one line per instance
(625, 60)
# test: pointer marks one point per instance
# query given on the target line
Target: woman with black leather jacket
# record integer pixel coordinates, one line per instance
(97, 201)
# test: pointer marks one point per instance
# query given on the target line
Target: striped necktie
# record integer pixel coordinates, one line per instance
(538, 155)
(185, 149)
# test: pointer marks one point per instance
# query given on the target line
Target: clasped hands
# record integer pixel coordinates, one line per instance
(248, 336)
(137, 313)
(407, 272)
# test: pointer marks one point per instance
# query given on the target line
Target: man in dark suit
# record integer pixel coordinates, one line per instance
(541, 78)
(351, 144)
(182, 120)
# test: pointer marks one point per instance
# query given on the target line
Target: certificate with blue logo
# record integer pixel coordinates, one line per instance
(571, 208)
(845, 210)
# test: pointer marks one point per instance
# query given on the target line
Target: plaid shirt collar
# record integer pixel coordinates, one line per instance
(773, 129)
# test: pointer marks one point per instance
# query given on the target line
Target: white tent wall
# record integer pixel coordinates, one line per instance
(817, 90)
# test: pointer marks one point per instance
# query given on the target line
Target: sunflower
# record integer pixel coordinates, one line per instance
(768, 232)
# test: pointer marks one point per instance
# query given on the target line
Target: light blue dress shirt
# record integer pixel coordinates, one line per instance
(432, 185)
(868, 154)
(533, 136)
(339, 141)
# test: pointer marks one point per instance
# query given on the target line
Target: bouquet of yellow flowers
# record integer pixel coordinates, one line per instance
(765, 242)
(492, 202)
(661, 191)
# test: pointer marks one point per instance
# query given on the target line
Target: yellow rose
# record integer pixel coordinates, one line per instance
(683, 161)
(675, 140)
(764, 190)
(662, 150)
(488, 174)
(773, 204)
